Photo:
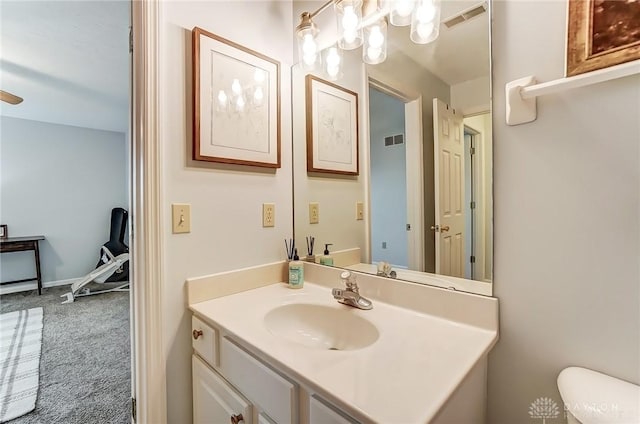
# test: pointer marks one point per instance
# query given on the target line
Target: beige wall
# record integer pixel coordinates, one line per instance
(226, 201)
(473, 96)
(567, 220)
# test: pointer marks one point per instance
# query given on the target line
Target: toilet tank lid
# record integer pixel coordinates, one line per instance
(596, 398)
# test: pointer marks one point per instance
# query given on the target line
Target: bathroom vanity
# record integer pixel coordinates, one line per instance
(263, 353)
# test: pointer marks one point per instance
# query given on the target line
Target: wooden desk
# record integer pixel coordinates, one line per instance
(22, 244)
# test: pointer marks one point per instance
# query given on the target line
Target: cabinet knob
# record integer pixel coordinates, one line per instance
(196, 334)
(237, 419)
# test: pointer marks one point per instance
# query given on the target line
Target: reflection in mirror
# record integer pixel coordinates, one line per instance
(425, 158)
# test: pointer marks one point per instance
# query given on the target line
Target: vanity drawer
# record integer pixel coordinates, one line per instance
(205, 341)
(321, 412)
(273, 393)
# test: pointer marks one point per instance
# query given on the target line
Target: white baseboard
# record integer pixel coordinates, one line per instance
(32, 285)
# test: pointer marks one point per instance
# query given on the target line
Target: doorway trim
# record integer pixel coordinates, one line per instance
(414, 160)
(148, 346)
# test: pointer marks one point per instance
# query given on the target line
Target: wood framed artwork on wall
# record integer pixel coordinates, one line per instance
(332, 128)
(236, 103)
(602, 33)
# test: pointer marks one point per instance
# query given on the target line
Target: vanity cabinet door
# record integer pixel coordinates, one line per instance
(214, 400)
(321, 413)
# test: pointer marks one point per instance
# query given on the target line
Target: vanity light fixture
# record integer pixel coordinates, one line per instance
(364, 23)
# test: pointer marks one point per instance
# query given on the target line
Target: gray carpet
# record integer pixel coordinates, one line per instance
(85, 368)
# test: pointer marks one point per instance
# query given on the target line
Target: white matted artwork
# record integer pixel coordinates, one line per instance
(332, 128)
(236, 103)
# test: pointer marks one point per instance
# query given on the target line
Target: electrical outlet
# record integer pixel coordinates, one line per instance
(359, 211)
(181, 218)
(268, 215)
(314, 213)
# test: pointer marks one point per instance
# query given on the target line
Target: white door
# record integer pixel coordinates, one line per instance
(448, 145)
(415, 193)
(214, 400)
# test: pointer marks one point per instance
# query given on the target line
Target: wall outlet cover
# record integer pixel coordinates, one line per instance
(314, 213)
(268, 215)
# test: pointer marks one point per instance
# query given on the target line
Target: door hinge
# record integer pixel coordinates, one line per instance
(134, 414)
(472, 259)
(472, 150)
(130, 40)
(472, 205)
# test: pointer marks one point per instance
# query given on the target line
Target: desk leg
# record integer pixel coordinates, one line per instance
(38, 275)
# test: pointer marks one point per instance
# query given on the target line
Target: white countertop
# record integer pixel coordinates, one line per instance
(406, 376)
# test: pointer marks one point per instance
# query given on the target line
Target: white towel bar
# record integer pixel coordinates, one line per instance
(521, 94)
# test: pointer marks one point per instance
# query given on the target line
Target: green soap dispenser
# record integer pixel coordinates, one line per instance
(296, 272)
(326, 258)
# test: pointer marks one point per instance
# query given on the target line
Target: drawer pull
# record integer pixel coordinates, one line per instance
(196, 334)
(237, 419)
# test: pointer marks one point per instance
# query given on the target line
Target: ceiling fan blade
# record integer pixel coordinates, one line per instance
(10, 98)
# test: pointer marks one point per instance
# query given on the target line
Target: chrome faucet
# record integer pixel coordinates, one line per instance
(351, 295)
(384, 270)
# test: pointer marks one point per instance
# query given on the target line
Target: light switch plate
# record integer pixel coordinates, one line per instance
(314, 213)
(181, 218)
(268, 215)
(359, 211)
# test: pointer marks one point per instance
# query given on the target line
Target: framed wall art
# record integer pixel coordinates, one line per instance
(332, 128)
(602, 33)
(236, 103)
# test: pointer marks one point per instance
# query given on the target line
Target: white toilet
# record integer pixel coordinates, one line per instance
(591, 397)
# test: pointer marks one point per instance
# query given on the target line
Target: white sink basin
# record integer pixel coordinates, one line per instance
(321, 327)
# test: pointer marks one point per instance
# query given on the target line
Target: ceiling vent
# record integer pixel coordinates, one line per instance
(465, 15)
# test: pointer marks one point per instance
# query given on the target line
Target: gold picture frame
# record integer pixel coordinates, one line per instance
(236, 103)
(332, 128)
(601, 33)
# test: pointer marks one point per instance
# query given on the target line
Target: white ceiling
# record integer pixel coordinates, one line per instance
(460, 53)
(69, 60)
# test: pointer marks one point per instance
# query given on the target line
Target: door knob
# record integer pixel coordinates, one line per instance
(196, 334)
(237, 419)
(437, 228)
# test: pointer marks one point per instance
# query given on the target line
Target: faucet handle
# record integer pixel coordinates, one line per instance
(349, 280)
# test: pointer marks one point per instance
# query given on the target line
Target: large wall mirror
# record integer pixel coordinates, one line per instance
(416, 196)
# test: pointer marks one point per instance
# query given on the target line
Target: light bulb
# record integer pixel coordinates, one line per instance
(333, 58)
(374, 53)
(350, 36)
(309, 59)
(236, 88)
(258, 75)
(349, 19)
(309, 47)
(426, 12)
(376, 38)
(424, 30)
(222, 98)
(240, 104)
(258, 95)
(333, 70)
(404, 7)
